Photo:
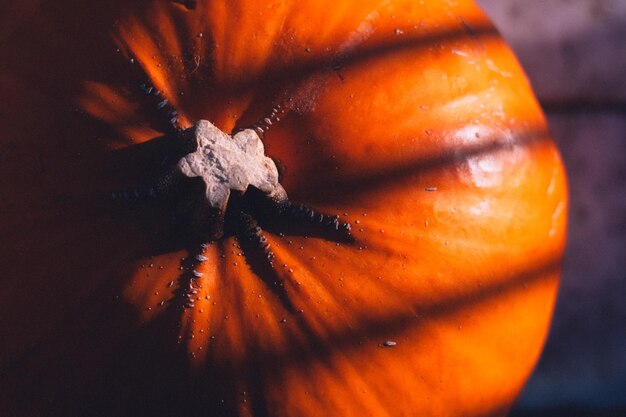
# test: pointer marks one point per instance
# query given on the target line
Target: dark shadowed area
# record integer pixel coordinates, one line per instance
(573, 52)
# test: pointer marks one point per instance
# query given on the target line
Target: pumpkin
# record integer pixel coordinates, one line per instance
(411, 121)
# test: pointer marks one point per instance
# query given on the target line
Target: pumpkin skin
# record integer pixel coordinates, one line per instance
(412, 118)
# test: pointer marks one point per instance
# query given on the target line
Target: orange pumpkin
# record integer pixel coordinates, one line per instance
(410, 120)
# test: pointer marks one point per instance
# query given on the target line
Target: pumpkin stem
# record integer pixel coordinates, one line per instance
(263, 125)
(163, 105)
(302, 213)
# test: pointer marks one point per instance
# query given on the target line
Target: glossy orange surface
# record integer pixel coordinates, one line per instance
(412, 120)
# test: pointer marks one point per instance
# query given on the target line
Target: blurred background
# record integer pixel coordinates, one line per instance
(574, 52)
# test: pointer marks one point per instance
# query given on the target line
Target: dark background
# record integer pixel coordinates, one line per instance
(574, 52)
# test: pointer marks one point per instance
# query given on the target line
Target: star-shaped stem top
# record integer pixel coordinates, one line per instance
(226, 163)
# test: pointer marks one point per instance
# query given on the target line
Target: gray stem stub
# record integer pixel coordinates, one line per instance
(226, 163)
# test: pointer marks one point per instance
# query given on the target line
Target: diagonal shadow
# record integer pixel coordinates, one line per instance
(321, 190)
(383, 327)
